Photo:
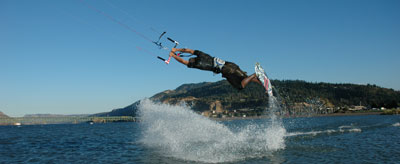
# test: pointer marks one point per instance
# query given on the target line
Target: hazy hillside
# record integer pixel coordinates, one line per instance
(297, 97)
(55, 115)
(2, 115)
(130, 110)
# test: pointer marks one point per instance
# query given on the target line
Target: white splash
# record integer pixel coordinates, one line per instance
(179, 132)
(312, 133)
(396, 124)
(341, 129)
(356, 130)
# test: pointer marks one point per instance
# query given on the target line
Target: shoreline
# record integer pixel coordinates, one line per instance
(300, 116)
(103, 120)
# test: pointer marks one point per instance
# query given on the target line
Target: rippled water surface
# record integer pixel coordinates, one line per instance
(176, 135)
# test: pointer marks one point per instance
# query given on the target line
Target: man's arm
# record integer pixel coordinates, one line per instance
(180, 60)
(183, 50)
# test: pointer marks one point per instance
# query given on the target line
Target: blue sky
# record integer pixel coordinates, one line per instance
(62, 57)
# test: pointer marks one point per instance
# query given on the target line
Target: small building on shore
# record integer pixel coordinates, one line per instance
(357, 108)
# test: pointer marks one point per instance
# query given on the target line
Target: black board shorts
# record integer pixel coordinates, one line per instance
(230, 70)
(233, 74)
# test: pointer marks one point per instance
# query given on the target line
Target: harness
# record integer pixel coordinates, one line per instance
(218, 64)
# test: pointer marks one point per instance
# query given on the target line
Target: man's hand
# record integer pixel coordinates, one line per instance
(172, 53)
(173, 50)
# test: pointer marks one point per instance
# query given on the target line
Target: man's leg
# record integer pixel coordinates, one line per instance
(251, 78)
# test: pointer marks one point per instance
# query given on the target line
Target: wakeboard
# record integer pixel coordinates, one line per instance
(262, 76)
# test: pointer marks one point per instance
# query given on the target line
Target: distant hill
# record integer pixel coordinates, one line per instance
(55, 115)
(129, 110)
(2, 115)
(296, 96)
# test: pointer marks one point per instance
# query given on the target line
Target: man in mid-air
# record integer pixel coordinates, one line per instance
(235, 76)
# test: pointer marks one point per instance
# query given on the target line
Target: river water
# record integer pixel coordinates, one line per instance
(175, 134)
